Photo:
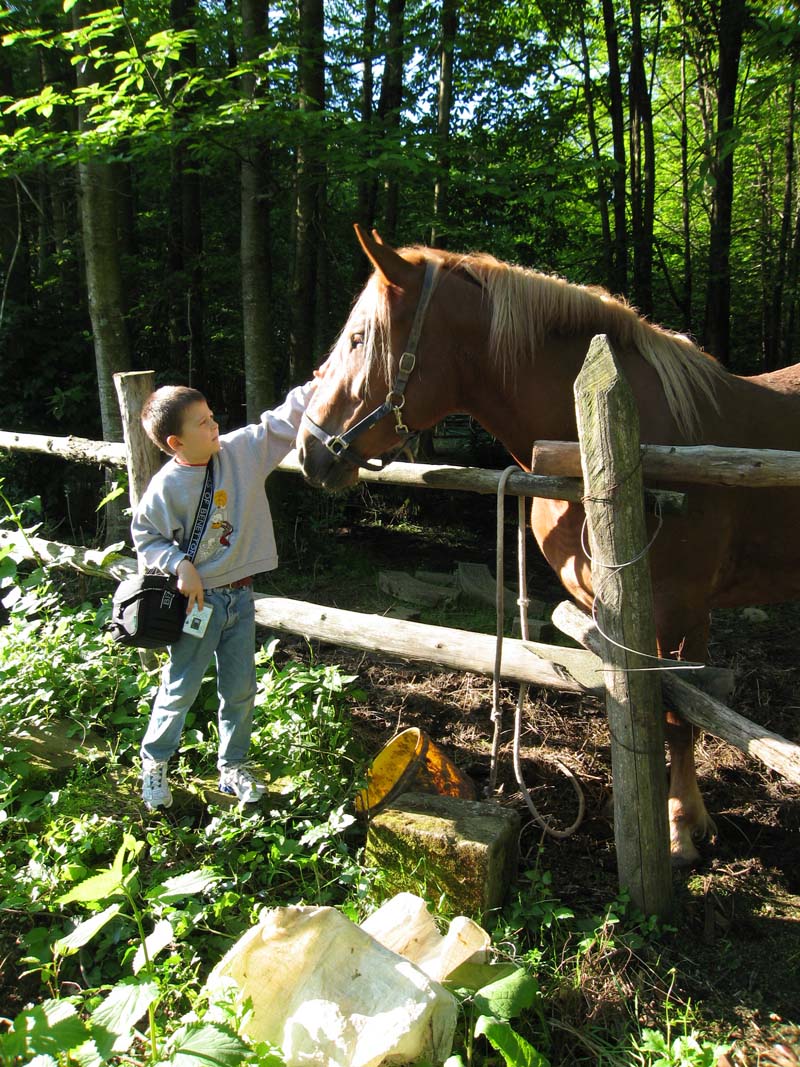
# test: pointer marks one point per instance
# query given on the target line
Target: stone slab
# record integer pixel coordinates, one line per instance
(462, 855)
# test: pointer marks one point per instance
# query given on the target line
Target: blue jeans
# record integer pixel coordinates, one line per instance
(230, 639)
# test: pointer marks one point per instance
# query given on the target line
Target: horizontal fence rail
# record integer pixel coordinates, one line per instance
(411, 475)
(751, 468)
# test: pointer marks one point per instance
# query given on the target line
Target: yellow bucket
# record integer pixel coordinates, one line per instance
(411, 762)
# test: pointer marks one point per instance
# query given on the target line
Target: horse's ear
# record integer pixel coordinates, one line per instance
(392, 267)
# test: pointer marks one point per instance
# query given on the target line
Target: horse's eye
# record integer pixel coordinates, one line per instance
(356, 340)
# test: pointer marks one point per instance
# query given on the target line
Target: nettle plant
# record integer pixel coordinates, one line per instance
(54, 1032)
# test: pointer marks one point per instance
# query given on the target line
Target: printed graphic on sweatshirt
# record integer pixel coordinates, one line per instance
(217, 537)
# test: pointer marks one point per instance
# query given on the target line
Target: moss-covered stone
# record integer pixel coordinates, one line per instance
(460, 854)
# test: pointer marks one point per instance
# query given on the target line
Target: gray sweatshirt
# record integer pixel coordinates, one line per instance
(238, 540)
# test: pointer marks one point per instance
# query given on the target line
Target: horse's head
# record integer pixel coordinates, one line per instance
(379, 387)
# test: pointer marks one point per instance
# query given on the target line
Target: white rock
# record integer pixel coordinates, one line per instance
(404, 925)
(329, 995)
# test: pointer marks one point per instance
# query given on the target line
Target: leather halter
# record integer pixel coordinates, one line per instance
(340, 446)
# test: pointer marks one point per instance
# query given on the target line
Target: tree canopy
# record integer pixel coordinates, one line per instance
(211, 157)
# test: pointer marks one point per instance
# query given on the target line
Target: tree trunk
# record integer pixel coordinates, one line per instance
(310, 183)
(642, 167)
(619, 279)
(686, 216)
(778, 354)
(365, 212)
(99, 219)
(790, 333)
(718, 293)
(255, 234)
(390, 106)
(99, 210)
(602, 188)
(186, 237)
(444, 107)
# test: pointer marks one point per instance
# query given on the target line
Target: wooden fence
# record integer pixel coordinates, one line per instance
(603, 399)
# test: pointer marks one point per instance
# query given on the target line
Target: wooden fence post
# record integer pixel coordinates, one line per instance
(144, 459)
(608, 429)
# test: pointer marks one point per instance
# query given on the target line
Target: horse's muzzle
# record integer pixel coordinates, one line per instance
(322, 469)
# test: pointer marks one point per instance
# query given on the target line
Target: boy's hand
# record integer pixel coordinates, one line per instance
(190, 584)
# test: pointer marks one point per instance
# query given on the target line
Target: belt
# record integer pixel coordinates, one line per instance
(243, 583)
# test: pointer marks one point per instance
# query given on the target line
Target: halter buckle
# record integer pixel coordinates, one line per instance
(337, 446)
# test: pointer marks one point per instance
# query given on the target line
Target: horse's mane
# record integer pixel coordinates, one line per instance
(527, 304)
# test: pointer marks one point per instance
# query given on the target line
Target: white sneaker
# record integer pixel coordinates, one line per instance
(238, 782)
(156, 792)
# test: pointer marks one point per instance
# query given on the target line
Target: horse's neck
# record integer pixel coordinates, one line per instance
(530, 402)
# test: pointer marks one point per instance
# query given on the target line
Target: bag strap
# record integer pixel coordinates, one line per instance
(202, 513)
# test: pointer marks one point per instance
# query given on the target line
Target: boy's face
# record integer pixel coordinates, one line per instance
(199, 437)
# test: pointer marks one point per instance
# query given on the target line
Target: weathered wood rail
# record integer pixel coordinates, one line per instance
(747, 468)
(410, 475)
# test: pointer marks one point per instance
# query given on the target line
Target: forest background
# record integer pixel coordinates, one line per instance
(178, 179)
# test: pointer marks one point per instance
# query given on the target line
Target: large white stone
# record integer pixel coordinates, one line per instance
(329, 995)
(404, 925)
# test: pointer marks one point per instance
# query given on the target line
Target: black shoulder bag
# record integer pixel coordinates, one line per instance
(147, 611)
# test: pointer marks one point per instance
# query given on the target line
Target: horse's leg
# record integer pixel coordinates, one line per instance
(689, 821)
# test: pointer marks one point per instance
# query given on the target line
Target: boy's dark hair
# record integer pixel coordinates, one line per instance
(163, 411)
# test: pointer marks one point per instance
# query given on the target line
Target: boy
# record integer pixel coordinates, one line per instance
(238, 542)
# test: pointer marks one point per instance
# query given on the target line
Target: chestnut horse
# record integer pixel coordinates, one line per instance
(436, 333)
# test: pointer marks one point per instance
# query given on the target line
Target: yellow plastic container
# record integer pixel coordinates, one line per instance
(411, 763)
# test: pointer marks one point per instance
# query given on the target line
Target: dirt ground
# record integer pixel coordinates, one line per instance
(736, 949)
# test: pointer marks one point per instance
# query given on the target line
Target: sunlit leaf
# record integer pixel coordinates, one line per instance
(48, 1030)
(185, 885)
(85, 931)
(515, 1050)
(114, 1020)
(205, 1045)
(162, 935)
(508, 997)
(95, 889)
(474, 976)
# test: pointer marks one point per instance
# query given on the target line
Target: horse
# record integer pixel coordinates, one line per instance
(436, 332)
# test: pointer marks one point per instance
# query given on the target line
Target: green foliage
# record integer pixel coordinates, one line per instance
(656, 1049)
(55, 1030)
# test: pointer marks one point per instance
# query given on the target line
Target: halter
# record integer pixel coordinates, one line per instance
(340, 446)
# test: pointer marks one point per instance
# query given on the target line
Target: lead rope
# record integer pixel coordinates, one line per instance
(497, 711)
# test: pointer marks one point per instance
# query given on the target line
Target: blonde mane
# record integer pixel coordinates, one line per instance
(527, 305)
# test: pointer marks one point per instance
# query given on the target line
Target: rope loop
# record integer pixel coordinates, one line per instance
(497, 711)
